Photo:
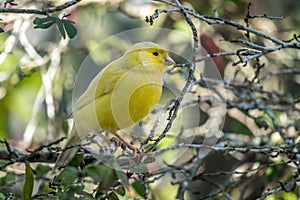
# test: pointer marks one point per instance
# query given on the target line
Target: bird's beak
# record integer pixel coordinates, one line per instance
(167, 61)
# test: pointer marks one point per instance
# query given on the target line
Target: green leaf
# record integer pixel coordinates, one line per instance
(98, 195)
(75, 162)
(10, 177)
(264, 121)
(139, 188)
(29, 181)
(41, 170)
(121, 175)
(120, 191)
(45, 25)
(39, 20)
(70, 28)
(75, 189)
(52, 198)
(233, 125)
(63, 25)
(112, 196)
(60, 27)
(44, 22)
(2, 197)
(68, 175)
(289, 196)
(102, 174)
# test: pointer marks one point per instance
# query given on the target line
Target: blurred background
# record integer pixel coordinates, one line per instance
(38, 69)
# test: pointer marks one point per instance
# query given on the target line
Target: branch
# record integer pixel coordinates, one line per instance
(217, 20)
(45, 11)
(286, 149)
(13, 155)
(191, 64)
(243, 58)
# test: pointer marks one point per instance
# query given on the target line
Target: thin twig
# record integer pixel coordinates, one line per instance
(44, 11)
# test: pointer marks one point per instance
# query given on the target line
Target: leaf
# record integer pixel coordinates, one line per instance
(44, 23)
(98, 195)
(39, 20)
(112, 196)
(60, 27)
(10, 177)
(2, 197)
(75, 162)
(71, 191)
(121, 175)
(264, 121)
(75, 189)
(29, 181)
(232, 125)
(41, 170)
(68, 175)
(102, 174)
(63, 25)
(120, 191)
(289, 196)
(70, 28)
(139, 188)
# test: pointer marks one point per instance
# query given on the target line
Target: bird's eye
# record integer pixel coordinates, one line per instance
(155, 53)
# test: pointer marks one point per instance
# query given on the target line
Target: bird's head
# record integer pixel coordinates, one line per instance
(149, 53)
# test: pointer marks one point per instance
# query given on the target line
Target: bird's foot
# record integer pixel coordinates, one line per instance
(128, 148)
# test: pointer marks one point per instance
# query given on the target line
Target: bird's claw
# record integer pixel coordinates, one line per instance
(125, 146)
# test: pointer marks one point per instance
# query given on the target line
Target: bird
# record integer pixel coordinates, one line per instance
(120, 95)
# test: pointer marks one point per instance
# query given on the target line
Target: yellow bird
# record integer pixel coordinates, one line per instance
(119, 96)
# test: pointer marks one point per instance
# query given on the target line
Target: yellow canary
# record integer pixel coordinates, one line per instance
(121, 94)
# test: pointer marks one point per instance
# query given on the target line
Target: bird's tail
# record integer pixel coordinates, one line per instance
(67, 155)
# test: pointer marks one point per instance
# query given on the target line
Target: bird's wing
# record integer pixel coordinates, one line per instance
(102, 84)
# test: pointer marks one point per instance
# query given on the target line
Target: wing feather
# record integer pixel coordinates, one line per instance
(102, 84)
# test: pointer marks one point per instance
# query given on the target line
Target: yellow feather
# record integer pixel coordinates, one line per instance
(123, 93)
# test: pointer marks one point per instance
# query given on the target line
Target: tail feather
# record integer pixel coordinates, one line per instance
(66, 156)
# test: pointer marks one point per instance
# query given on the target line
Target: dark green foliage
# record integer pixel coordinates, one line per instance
(64, 26)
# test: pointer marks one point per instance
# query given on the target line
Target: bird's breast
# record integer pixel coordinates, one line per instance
(134, 97)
